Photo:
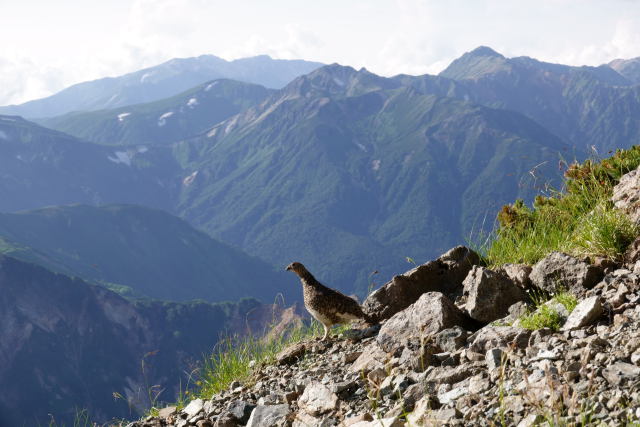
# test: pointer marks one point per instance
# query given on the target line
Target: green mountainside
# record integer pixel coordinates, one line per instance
(69, 345)
(350, 172)
(150, 251)
(162, 81)
(585, 106)
(41, 167)
(167, 120)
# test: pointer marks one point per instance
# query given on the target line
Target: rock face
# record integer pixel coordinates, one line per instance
(490, 294)
(558, 270)
(626, 195)
(444, 274)
(432, 313)
(317, 399)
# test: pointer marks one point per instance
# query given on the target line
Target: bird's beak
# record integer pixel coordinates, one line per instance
(288, 268)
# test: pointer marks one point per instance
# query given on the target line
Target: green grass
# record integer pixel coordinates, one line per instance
(231, 361)
(580, 220)
(544, 315)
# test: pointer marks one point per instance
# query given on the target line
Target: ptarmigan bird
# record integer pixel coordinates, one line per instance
(327, 305)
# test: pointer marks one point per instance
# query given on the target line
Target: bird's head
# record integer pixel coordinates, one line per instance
(296, 267)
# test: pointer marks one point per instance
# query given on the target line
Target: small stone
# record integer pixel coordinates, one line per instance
(493, 357)
(377, 376)
(226, 419)
(166, 412)
(357, 419)
(620, 372)
(531, 420)
(351, 356)
(241, 410)
(193, 408)
(585, 313)
(269, 415)
(291, 353)
(452, 339)
(317, 399)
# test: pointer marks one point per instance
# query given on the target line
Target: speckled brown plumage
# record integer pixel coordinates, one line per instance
(326, 305)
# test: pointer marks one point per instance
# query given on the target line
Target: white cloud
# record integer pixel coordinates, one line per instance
(91, 39)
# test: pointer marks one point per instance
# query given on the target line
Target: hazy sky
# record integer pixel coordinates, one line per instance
(48, 45)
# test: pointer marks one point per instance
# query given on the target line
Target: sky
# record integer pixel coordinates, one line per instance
(49, 45)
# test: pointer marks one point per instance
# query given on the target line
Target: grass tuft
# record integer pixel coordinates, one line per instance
(579, 220)
(544, 315)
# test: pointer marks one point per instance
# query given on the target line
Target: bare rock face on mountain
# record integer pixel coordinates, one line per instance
(444, 275)
(559, 271)
(626, 195)
(490, 294)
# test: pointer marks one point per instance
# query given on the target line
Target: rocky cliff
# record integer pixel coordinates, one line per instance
(456, 345)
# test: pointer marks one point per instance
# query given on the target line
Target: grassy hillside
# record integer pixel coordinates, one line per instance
(150, 251)
(581, 220)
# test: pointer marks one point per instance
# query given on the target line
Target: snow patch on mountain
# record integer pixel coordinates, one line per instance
(162, 120)
(122, 116)
(209, 86)
(121, 157)
(189, 180)
(375, 165)
(192, 102)
(145, 77)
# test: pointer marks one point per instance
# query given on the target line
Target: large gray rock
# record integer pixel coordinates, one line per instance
(626, 195)
(490, 294)
(317, 399)
(432, 313)
(558, 270)
(269, 416)
(444, 274)
(585, 313)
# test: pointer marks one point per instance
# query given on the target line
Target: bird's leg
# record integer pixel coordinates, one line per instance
(326, 332)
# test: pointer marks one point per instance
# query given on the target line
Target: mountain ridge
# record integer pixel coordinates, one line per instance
(160, 81)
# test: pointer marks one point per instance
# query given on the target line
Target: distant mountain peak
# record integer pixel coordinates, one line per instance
(481, 51)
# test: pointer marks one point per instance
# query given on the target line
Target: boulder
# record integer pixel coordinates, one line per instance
(626, 195)
(444, 274)
(432, 313)
(268, 415)
(558, 270)
(490, 294)
(585, 313)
